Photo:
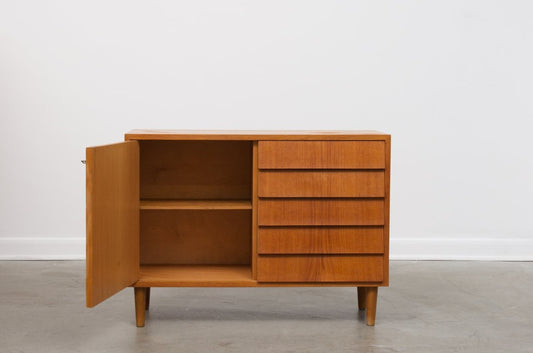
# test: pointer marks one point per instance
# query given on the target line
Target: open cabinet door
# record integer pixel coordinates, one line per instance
(112, 219)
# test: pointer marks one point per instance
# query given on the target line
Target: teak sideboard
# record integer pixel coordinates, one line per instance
(238, 209)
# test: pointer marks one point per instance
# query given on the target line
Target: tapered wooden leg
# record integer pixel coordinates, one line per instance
(361, 297)
(371, 302)
(147, 306)
(140, 304)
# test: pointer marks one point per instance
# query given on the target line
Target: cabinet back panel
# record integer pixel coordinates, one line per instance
(203, 237)
(195, 169)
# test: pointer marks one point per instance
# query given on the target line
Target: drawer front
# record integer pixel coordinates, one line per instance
(320, 268)
(281, 212)
(320, 240)
(321, 154)
(312, 183)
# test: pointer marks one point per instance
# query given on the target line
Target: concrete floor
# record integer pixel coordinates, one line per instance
(429, 307)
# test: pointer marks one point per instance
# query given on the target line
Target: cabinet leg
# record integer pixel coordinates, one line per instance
(147, 305)
(140, 304)
(361, 297)
(371, 302)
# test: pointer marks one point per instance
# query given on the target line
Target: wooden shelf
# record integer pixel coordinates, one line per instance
(217, 276)
(196, 205)
(196, 276)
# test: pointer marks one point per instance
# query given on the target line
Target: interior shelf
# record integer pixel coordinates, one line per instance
(216, 276)
(195, 276)
(196, 205)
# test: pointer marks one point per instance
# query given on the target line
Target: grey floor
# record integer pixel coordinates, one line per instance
(429, 307)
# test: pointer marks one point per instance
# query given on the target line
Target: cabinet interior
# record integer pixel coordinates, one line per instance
(196, 204)
(195, 170)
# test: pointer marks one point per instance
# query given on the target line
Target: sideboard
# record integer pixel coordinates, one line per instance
(170, 208)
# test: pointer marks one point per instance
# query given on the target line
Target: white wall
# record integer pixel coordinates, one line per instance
(452, 81)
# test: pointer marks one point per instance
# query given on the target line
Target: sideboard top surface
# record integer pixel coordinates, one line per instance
(254, 135)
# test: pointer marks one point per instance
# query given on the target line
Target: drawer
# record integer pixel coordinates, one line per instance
(320, 240)
(322, 154)
(320, 268)
(285, 212)
(323, 183)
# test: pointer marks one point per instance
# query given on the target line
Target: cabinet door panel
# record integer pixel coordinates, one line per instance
(112, 219)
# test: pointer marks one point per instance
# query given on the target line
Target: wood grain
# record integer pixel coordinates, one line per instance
(196, 237)
(322, 220)
(281, 212)
(361, 298)
(217, 276)
(252, 135)
(371, 304)
(147, 306)
(324, 183)
(196, 205)
(320, 268)
(112, 180)
(195, 276)
(321, 155)
(140, 305)
(387, 209)
(196, 170)
(320, 240)
(254, 209)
